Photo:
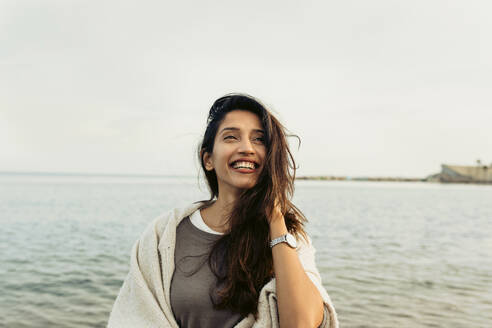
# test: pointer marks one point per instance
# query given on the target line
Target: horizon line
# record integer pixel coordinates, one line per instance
(155, 175)
(101, 174)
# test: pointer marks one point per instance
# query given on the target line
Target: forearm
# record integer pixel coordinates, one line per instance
(299, 301)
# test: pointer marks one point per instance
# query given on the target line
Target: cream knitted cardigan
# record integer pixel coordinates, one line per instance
(144, 298)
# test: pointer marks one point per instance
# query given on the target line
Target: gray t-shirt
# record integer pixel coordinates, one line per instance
(193, 281)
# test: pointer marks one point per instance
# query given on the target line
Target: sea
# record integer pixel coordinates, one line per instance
(391, 254)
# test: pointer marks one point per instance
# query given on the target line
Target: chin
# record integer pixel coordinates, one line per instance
(245, 186)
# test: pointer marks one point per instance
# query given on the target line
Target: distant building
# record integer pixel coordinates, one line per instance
(466, 174)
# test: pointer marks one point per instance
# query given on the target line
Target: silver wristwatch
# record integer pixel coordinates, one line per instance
(287, 238)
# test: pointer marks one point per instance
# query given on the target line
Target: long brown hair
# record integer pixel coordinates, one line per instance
(245, 249)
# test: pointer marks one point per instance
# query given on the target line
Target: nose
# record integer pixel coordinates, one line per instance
(246, 146)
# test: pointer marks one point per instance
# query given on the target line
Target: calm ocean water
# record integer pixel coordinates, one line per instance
(390, 254)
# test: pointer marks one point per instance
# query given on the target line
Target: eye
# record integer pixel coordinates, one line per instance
(260, 139)
(228, 137)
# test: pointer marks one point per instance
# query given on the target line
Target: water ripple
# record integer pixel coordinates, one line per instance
(390, 255)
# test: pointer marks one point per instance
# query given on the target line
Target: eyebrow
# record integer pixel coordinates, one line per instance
(237, 129)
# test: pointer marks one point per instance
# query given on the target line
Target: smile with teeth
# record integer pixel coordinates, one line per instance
(243, 165)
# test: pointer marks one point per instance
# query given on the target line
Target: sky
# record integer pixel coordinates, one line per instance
(372, 88)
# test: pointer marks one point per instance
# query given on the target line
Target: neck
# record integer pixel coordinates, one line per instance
(216, 216)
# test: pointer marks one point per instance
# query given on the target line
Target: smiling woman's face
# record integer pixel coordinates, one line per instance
(239, 152)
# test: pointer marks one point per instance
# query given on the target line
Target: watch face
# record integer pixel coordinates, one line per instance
(291, 241)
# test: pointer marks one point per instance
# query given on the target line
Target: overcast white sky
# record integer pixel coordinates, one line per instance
(371, 87)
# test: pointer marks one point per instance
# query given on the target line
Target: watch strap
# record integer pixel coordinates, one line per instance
(281, 239)
(286, 238)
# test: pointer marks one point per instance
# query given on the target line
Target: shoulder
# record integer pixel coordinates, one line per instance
(305, 247)
(167, 222)
(306, 252)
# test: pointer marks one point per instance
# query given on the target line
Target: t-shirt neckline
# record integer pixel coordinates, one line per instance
(197, 220)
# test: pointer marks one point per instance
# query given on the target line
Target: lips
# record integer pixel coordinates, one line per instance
(245, 162)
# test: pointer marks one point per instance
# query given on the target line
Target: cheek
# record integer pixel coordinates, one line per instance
(262, 153)
(222, 160)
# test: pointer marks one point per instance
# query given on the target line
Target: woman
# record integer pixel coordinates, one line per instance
(239, 259)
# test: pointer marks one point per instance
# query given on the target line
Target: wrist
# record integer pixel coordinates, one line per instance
(277, 228)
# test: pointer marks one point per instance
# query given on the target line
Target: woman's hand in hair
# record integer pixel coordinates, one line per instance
(276, 221)
(276, 216)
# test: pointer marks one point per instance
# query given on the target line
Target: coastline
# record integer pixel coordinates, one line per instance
(372, 179)
(430, 179)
